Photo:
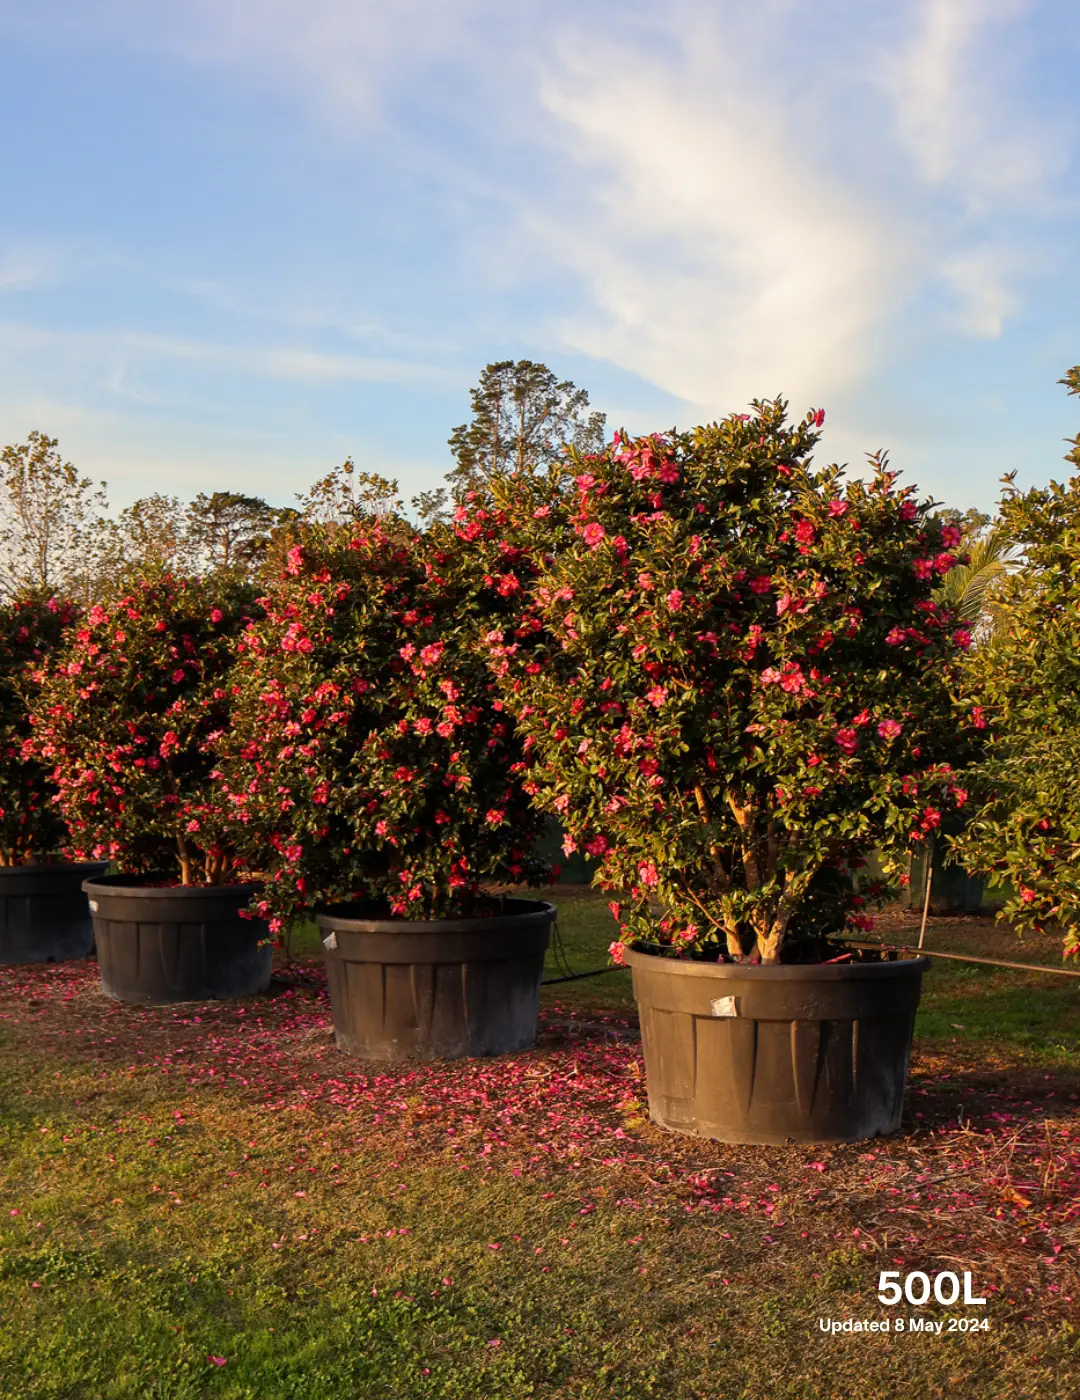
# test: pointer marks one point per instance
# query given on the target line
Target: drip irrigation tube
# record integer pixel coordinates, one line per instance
(885, 947)
(969, 957)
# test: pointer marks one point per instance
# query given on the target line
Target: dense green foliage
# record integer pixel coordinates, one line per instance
(1023, 686)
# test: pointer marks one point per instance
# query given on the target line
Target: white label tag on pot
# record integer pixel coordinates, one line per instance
(725, 1006)
(330, 941)
(93, 905)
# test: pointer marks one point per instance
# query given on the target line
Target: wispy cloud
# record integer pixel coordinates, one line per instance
(110, 349)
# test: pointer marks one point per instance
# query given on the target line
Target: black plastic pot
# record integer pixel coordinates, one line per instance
(436, 990)
(161, 944)
(44, 916)
(776, 1054)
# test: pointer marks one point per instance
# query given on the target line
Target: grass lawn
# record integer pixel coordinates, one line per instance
(213, 1201)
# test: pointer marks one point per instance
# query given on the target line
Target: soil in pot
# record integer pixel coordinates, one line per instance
(776, 1054)
(44, 916)
(160, 943)
(436, 990)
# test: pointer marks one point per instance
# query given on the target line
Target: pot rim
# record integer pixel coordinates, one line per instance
(122, 884)
(42, 867)
(528, 911)
(776, 972)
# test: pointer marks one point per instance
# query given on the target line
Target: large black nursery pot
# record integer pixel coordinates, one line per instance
(44, 916)
(436, 990)
(165, 943)
(776, 1054)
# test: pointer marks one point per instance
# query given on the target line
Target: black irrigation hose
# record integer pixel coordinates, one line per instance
(562, 963)
(577, 976)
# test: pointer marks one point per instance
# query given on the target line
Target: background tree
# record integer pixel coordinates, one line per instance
(228, 531)
(345, 494)
(50, 518)
(522, 417)
(151, 532)
(432, 506)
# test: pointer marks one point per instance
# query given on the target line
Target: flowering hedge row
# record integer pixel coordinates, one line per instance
(724, 670)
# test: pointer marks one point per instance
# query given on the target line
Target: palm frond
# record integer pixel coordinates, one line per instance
(966, 588)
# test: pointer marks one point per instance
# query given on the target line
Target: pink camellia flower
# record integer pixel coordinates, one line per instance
(1026, 895)
(944, 562)
(897, 637)
(296, 560)
(431, 654)
(908, 510)
(978, 717)
(617, 952)
(771, 676)
(593, 534)
(647, 874)
(597, 846)
(890, 728)
(805, 532)
(817, 417)
(761, 584)
(951, 536)
(847, 739)
(675, 600)
(656, 696)
(216, 615)
(837, 508)
(962, 638)
(585, 482)
(924, 568)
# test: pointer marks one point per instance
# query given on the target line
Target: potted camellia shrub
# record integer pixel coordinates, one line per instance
(127, 723)
(44, 915)
(375, 777)
(731, 680)
(1022, 684)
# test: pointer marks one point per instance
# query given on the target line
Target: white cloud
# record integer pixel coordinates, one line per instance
(722, 258)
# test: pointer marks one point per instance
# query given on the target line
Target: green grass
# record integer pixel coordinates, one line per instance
(332, 1253)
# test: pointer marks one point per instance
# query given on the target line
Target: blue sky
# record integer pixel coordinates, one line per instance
(242, 239)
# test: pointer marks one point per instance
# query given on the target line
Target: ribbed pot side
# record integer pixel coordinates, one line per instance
(438, 990)
(158, 945)
(777, 1054)
(44, 916)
